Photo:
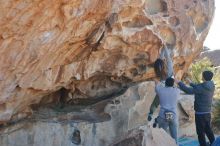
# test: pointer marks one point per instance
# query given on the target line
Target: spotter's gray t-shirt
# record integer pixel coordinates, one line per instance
(168, 97)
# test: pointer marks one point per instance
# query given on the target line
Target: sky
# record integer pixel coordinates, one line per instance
(213, 39)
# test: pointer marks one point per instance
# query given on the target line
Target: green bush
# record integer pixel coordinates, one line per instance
(217, 83)
(216, 116)
(196, 69)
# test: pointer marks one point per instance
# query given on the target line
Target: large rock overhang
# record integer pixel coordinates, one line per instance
(91, 49)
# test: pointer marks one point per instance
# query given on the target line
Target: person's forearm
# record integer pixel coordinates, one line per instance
(192, 84)
(183, 87)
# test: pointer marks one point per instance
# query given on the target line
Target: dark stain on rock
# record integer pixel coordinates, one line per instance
(138, 21)
(112, 19)
(174, 21)
(117, 101)
(186, 7)
(134, 72)
(164, 6)
(182, 64)
(142, 67)
(76, 139)
(166, 15)
(140, 58)
(132, 140)
(155, 7)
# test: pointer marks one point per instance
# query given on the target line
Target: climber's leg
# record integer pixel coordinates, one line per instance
(200, 129)
(162, 123)
(208, 130)
(173, 127)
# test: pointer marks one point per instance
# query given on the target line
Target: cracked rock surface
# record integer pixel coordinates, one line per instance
(127, 125)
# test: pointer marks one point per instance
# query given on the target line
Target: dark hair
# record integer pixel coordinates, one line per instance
(169, 82)
(159, 68)
(207, 75)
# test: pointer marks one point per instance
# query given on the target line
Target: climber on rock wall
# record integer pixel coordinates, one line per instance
(162, 71)
(166, 95)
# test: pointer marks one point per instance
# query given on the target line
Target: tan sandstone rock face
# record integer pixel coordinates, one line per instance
(127, 126)
(90, 49)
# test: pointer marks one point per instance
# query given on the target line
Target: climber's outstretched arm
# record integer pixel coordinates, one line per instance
(165, 53)
(153, 107)
(154, 104)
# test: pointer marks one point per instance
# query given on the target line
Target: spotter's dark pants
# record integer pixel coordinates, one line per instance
(203, 127)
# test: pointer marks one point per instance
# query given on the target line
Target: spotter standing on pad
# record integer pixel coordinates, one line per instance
(203, 93)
